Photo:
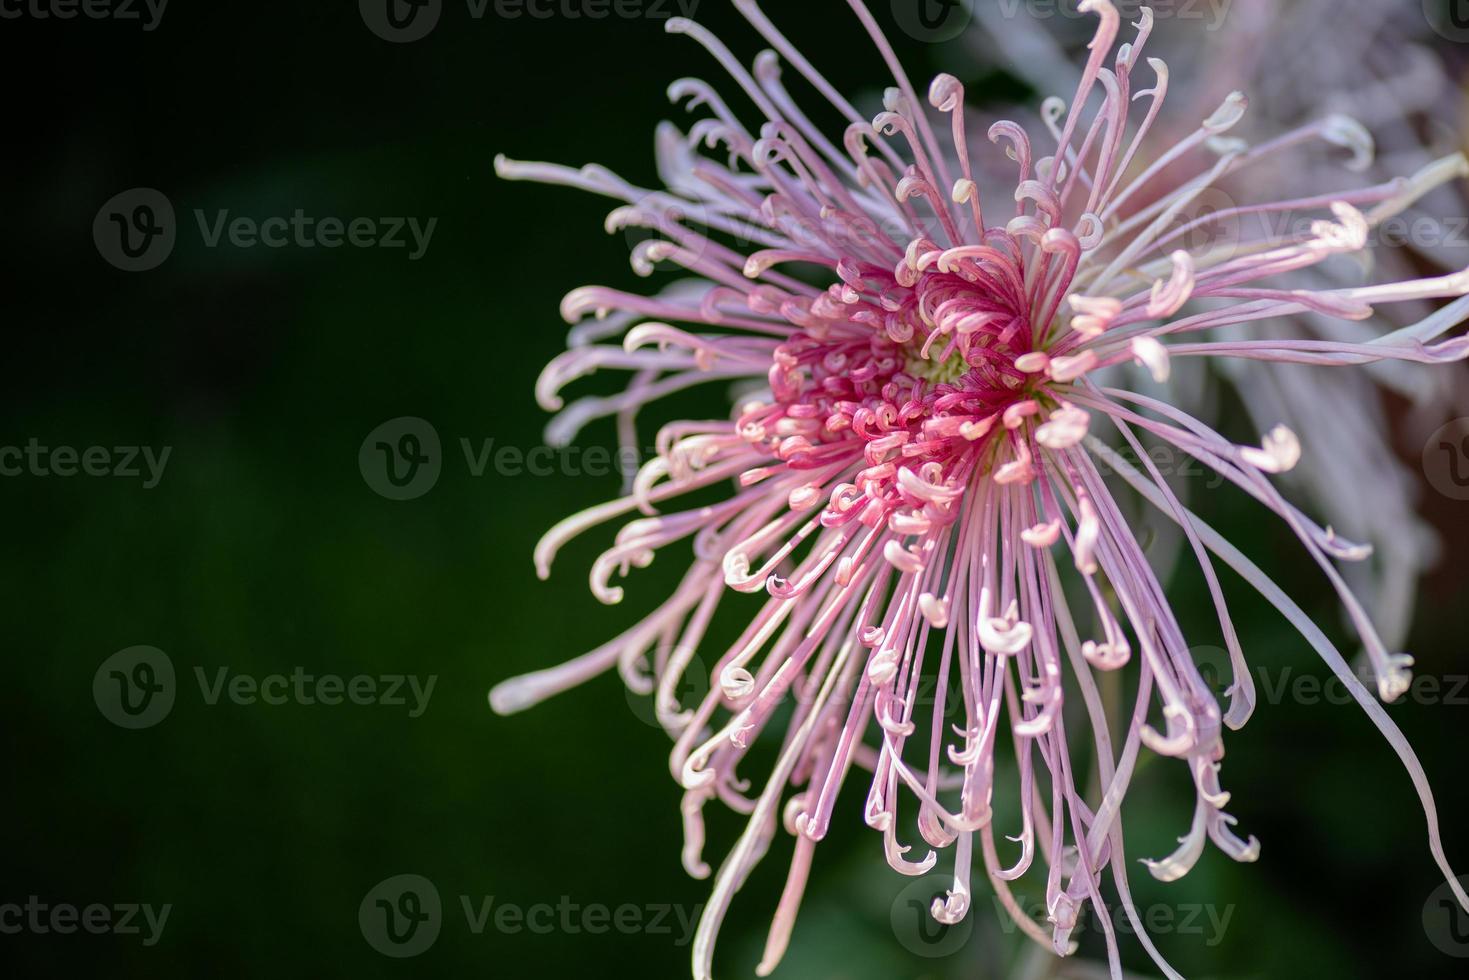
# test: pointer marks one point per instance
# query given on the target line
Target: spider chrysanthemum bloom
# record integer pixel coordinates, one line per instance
(921, 462)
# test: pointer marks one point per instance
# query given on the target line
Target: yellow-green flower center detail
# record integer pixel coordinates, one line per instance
(931, 369)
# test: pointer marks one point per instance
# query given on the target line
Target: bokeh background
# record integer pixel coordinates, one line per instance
(263, 549)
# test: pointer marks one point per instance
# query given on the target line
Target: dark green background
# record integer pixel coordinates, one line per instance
(263, 549)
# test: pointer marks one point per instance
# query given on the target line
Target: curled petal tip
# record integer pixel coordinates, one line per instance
(1280, 451)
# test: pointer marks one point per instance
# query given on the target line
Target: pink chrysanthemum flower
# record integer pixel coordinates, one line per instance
(933, 394)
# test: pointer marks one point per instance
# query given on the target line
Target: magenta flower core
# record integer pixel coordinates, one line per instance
(945, 408)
